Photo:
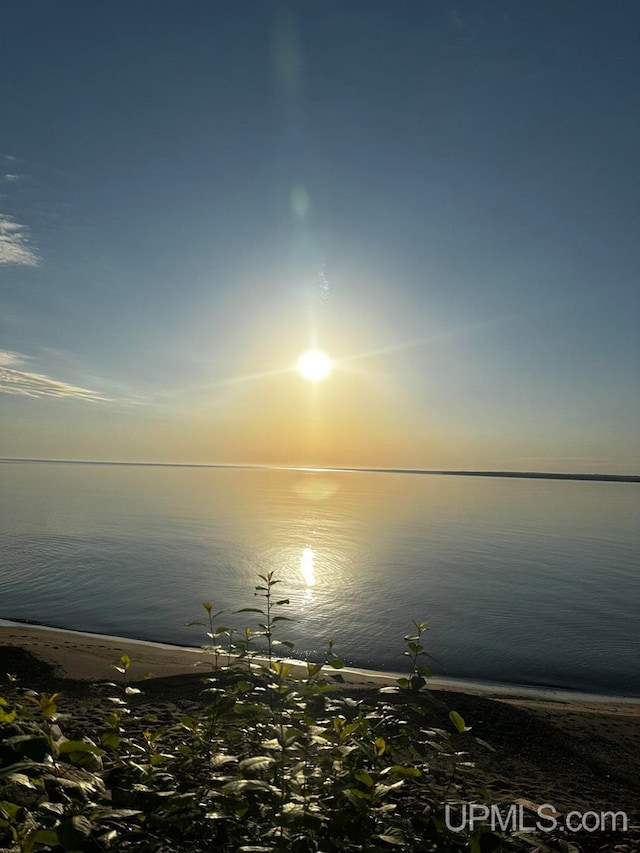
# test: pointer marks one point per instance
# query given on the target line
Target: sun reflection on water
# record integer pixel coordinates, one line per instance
(307, 568)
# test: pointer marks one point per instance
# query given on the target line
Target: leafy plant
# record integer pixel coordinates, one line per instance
(265, 591)
(213, 633)
(273, 756)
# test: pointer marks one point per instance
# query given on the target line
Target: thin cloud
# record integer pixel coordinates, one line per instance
(24, 383)
(11, 178)
(7, 358)
(14, 243)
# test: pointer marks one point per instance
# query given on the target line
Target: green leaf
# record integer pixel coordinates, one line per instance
(221, 758)
(257, 763)
(396, 838)
(9, 810)
(250, 610)
(458, 721)
(354, 795)
(40, 836)
(110, 739)
(240, 785)
(79, 746)
(48, 705)
(406, 772)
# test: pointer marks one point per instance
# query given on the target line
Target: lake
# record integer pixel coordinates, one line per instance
(521, 581)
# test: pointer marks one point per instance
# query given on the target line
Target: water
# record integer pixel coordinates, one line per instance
(521, 581)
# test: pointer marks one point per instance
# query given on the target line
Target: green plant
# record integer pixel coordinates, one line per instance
(272, 757)
(266, 592)
(414, 650)
(213, 633)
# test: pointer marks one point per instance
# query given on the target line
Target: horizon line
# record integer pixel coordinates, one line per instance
(534, 475)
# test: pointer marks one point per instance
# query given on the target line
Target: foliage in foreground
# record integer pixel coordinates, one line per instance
(270, 759)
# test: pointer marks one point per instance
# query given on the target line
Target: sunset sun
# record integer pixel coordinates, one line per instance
(314, 365)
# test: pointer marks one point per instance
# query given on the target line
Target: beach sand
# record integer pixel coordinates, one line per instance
(572, 751)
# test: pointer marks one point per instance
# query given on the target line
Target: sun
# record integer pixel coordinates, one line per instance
(314, 365)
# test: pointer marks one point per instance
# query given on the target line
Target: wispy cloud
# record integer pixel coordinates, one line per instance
(24, 383)
(15, 247)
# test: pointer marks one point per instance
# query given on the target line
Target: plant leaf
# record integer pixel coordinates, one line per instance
(257, 763)
(458, 721)
(79, 746)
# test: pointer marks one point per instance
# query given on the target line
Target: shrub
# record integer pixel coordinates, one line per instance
(273, 757)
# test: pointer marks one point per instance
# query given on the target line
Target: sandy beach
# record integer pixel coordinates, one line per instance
(572, 751)
(84, 656)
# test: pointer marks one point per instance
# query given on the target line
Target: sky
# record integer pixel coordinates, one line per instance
(444, 197)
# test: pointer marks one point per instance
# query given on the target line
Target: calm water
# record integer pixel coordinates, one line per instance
(525, 581)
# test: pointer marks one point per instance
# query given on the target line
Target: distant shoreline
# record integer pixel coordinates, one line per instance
(521, 475)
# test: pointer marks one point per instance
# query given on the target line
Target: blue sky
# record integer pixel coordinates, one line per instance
(443, 196)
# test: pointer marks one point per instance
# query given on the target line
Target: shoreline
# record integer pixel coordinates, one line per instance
(88, 656)
(575, 751)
